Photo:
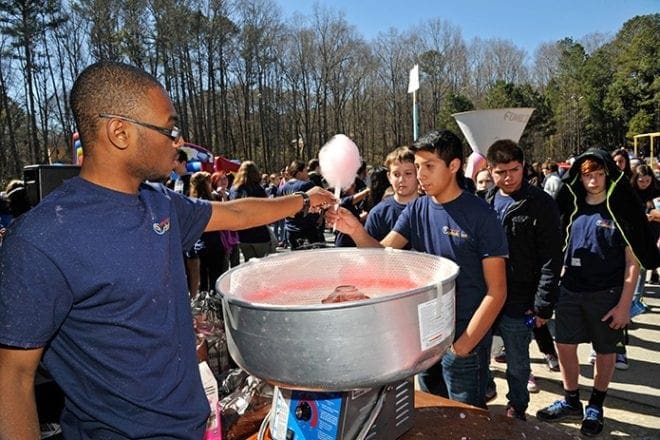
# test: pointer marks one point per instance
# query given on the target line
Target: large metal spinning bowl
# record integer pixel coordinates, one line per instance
(278, 329)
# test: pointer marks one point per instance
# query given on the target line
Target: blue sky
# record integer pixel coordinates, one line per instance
(526, 23)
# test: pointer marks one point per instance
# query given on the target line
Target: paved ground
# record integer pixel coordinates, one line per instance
(632, 406)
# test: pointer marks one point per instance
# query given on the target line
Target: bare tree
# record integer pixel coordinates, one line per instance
(10, 158)
(103, 16)
(594, 41)
(443, 64)
(395, 57)
(24, 22)
(546, 64)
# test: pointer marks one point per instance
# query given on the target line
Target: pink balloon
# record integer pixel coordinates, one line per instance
(474, 164)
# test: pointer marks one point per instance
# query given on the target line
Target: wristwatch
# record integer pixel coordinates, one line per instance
(306, 202)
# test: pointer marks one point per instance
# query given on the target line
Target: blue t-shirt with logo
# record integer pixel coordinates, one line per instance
(383, 217)
(501, 204)
(465, 230)
(97, 278)
(595, 257)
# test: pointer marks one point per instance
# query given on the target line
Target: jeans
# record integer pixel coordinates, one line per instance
(516, 336)
(460, 379)
(278, 229)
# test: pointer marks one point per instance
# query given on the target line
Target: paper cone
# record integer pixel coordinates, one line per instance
(483, 127)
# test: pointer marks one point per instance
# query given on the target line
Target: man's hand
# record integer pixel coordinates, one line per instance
(343, 220)
(653, 215)
(320, 198)
(619, 317)
(540, 322)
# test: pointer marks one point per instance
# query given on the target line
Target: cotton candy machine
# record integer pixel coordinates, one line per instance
(340, 332)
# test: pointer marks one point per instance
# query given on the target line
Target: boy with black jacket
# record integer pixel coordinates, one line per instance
(531, 221)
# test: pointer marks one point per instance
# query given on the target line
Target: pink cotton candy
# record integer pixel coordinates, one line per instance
(339, 160)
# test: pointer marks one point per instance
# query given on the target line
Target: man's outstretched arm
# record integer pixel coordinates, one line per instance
(19, 420)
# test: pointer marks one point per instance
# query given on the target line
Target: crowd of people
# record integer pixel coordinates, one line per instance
(572, 248)
(113, 256)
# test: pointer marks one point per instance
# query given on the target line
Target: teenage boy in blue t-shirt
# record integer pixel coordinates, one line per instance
(455, 224)
(402, 175)
(92, 279)
(607, 239)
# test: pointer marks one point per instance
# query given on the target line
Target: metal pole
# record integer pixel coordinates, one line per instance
(415, 124)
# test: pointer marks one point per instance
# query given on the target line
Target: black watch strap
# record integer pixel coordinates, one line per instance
(306, 202)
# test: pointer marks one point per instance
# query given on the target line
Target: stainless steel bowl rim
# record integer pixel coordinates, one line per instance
(328, 306)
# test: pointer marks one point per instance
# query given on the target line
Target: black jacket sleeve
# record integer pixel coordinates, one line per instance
(549, 257)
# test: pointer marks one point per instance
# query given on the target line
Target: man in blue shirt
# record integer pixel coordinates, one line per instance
(92, 279)
(301, 229)
(455, 224)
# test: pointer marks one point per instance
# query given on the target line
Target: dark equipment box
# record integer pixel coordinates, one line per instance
(42, 179)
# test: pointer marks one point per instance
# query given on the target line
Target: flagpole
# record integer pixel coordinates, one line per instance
(415, 124)
(413, 85)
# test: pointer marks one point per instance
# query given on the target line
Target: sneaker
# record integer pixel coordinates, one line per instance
(552, 361)
(637, 308)
(592, 424)
(532, 387)
(560, 410)
(621, 362)
(49, 430)
(592, 357)
(500, 357)
(512, 413)
(491, 392)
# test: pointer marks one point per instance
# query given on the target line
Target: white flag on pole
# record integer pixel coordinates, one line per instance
(413, 83)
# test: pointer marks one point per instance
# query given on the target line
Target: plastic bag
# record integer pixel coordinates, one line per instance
(210, 330)
(246, 405)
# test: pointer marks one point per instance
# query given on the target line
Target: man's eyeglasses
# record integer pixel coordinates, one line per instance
(173, 133)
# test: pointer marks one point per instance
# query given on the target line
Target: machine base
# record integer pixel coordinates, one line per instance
(305, 415)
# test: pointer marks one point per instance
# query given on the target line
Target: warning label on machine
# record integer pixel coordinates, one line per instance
(436, 319)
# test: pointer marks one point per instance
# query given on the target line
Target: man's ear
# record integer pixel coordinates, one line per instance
(117, 132)
(455, 165)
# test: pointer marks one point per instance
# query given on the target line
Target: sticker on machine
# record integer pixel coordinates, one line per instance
(436, 320)
(280, 415)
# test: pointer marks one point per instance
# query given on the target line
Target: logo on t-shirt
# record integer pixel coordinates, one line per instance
(454, 232)
(605, 223)
(162, 227)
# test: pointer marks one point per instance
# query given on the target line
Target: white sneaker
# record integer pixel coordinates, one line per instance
(532, 387)
(621, 362)
(592, 357)
(49, 430)
(552, 361)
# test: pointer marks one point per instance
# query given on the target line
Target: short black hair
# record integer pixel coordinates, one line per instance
(444, 143)
(295, 167)
(504, 151)
(108, 87)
